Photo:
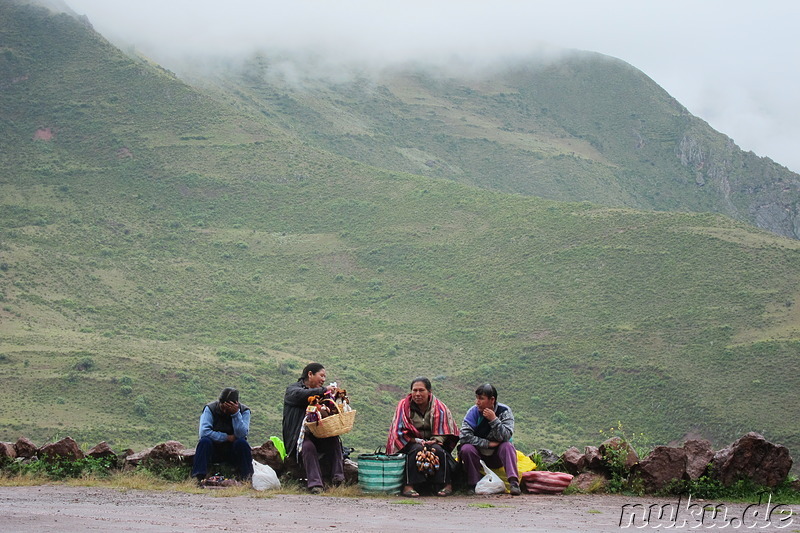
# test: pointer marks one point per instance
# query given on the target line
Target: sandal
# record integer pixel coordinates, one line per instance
(411, 493)
(447, 491)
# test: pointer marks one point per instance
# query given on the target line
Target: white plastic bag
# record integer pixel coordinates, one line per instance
(490, 483)
(264, 477)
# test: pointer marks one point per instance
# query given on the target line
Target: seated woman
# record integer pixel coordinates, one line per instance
(300, 443)
(486, 435)
(422, 420)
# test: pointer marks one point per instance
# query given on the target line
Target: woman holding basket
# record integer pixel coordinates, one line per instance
(423, 428)
(300, 443)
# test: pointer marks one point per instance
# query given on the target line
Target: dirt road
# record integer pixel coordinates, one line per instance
(61, 508)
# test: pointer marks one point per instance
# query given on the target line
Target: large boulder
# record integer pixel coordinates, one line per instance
(7, 450)
(65, 449)
(663, 465)
(25, 448)
(752, 457)
(268, 454)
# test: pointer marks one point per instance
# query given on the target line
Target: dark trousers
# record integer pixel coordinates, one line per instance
(238, 454)
(505, 455)
(442, 477)
(310, 456)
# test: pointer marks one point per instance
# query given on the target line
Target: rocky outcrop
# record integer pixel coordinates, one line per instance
(750, 188)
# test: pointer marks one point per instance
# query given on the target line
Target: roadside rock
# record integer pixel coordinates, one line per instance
(25, 448)
(594, 459)
(752, 457)
(187, 455)
(663, 465)
(574, 460)
(268, 454)
(7, 450)
(618, 445)
(66, 448)
(350, 472)
(548, 457)
(101, 450)
(136, 458)
(698, 455)
(166, 452)
(589, 482)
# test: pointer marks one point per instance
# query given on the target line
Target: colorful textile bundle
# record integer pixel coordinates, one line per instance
(543, 482)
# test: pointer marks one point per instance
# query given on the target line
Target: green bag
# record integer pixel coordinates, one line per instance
(381, 472)
(279, 446)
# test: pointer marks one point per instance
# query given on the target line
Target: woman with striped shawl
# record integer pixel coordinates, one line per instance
(423, 421)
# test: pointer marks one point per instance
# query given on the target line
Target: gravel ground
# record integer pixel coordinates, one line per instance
(63, 508)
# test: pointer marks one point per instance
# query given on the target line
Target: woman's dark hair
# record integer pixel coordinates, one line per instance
(311, 367)
(424, 381)
(488, 390)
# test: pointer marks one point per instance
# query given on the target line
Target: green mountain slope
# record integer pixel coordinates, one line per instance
(579, 127)
(157, 244)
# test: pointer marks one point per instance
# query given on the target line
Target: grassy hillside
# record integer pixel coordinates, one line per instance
(157, 244)
(578, 127)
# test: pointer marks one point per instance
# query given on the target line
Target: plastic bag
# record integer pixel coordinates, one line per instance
(490, 483)
(264, 477)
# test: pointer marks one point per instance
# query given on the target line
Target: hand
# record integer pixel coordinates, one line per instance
(229, 408)
(231, 438)
(489, 414)
(493, 444)
(331, 389)
(430, 442)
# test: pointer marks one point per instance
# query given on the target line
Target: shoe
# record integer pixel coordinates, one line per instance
(316, 490)
(515, 490)
(470, 491)
(447, 491)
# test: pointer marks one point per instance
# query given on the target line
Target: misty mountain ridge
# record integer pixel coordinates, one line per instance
(161, 240)
(521, 126)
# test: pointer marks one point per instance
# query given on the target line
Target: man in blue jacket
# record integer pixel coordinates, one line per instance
(224, 425)
(486, 435)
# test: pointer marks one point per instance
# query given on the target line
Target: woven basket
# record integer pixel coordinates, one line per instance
(333, 425)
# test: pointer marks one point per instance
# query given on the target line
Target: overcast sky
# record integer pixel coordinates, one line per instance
(733, 63)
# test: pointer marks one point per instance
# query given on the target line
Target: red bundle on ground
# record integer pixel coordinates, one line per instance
(543, 482)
